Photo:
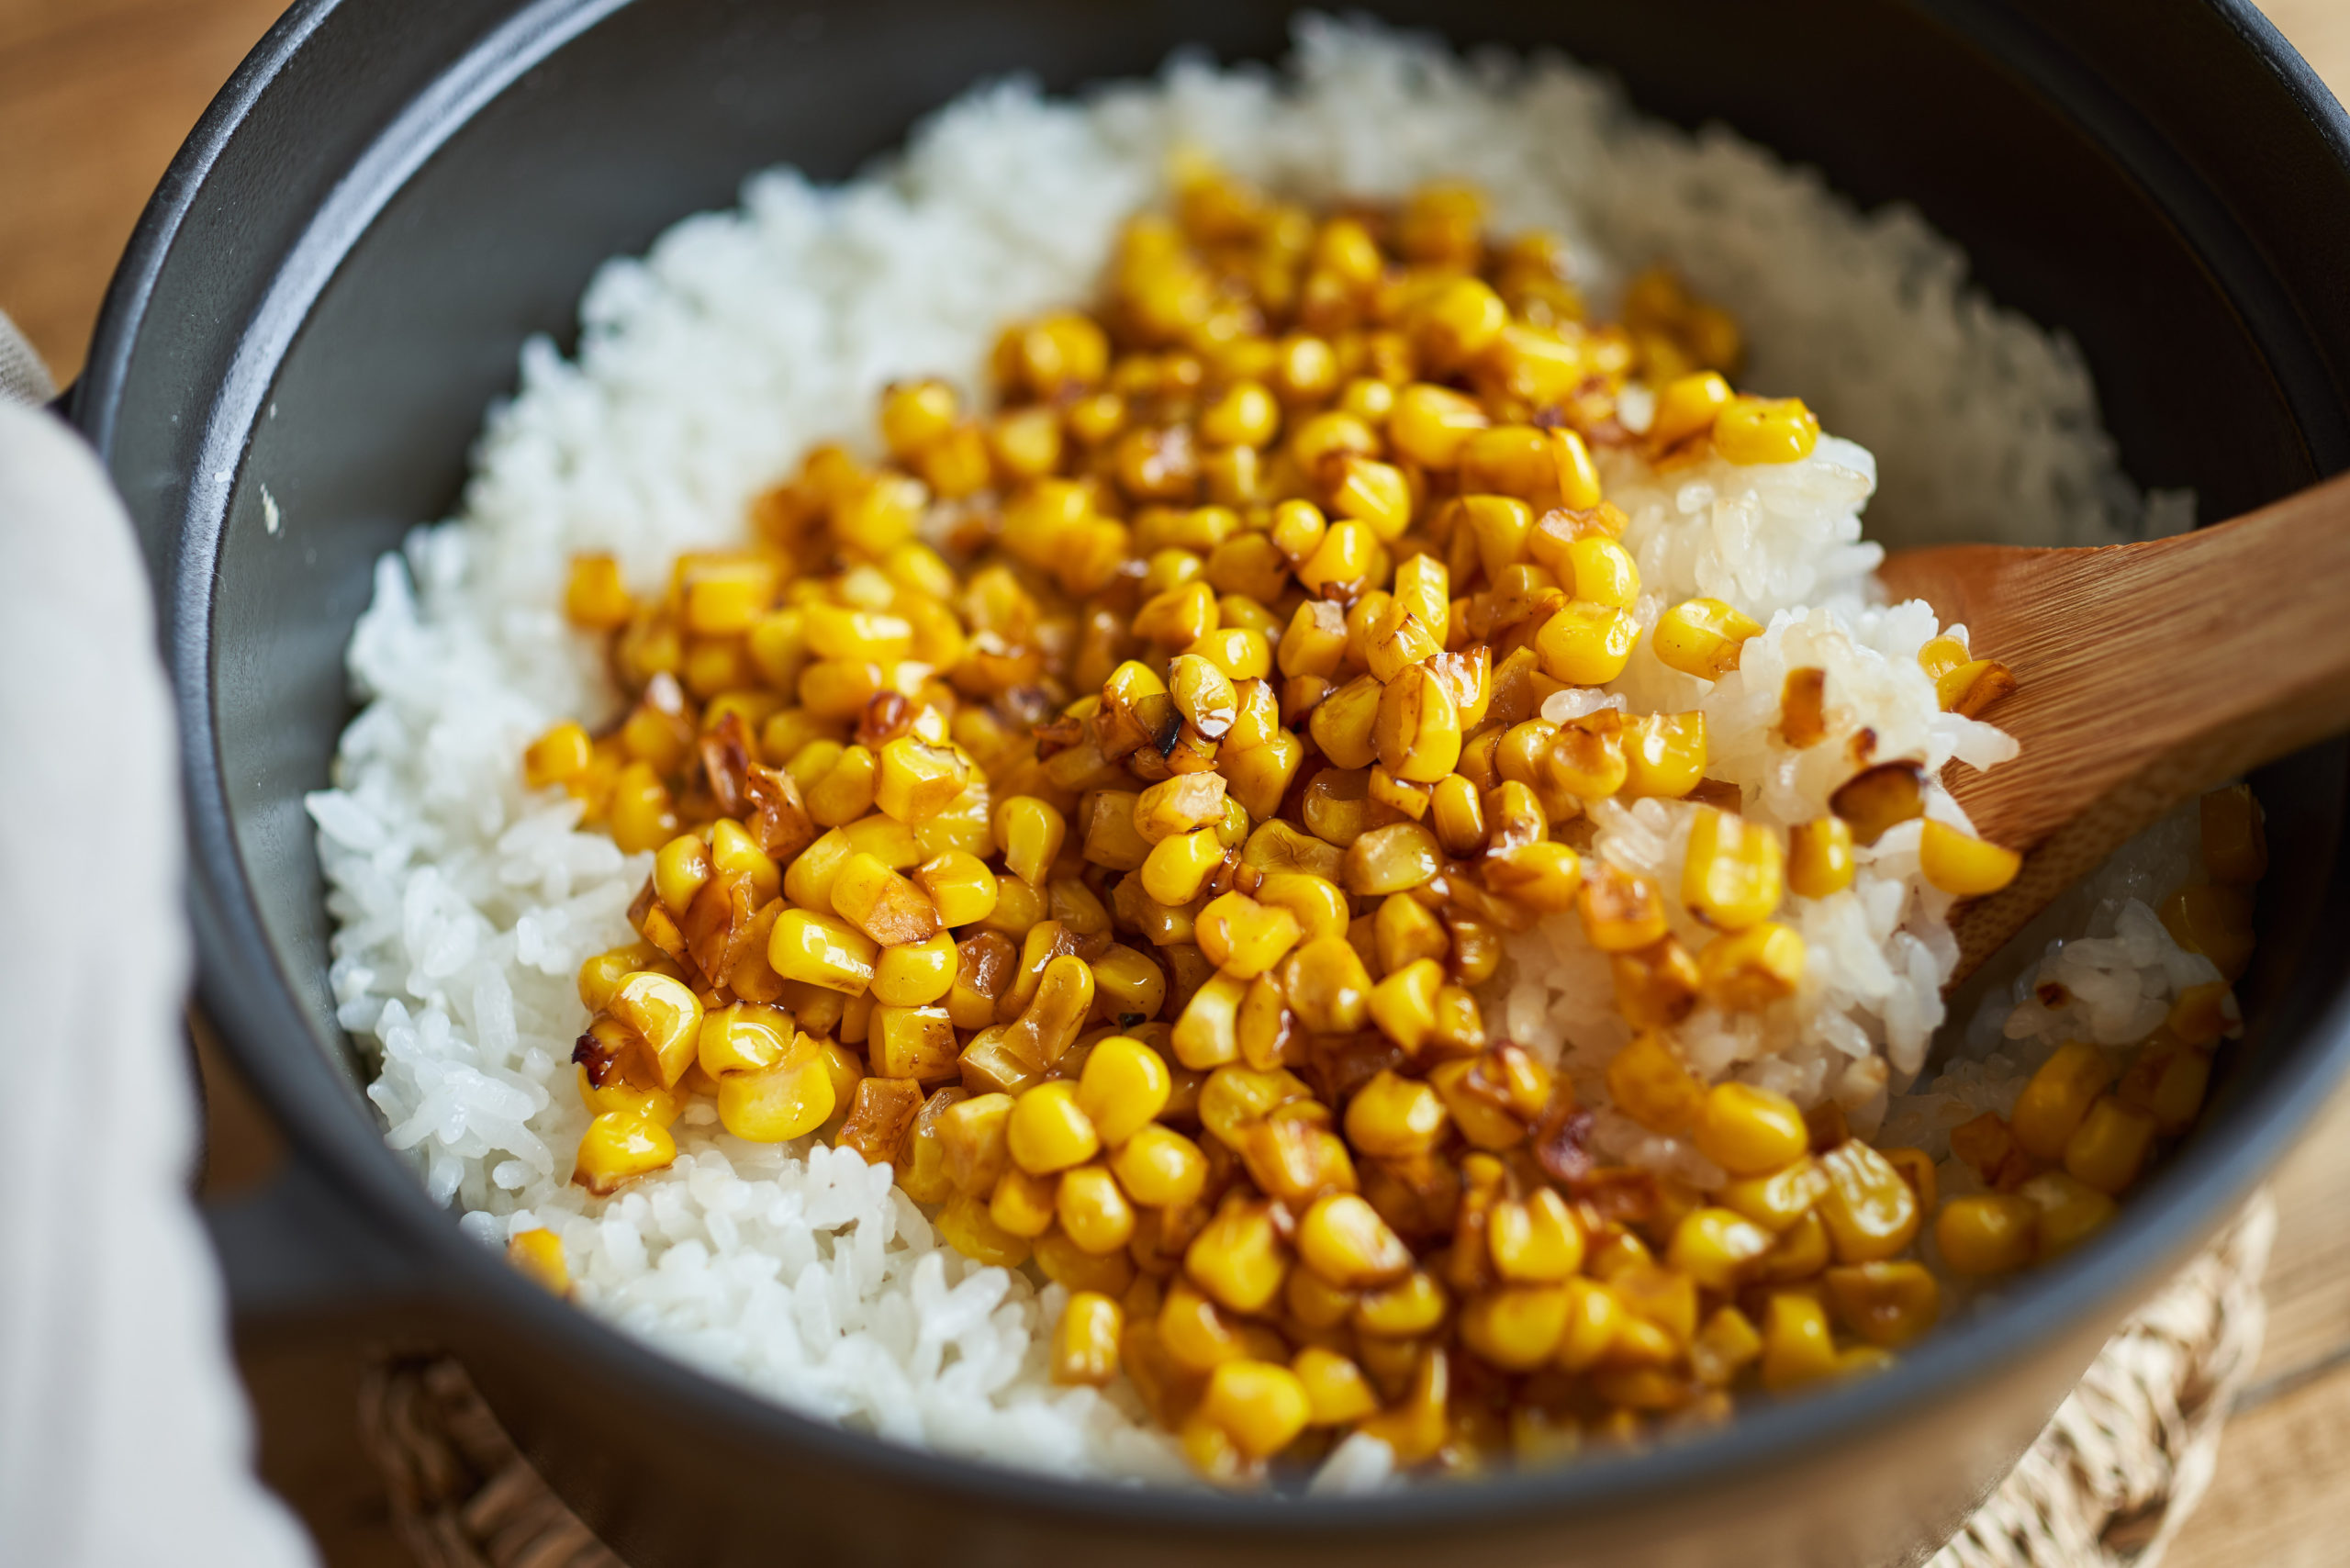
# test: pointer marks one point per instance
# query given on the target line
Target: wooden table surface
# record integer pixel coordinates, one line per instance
(95, 98)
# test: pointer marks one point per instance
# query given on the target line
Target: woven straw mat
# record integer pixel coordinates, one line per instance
(2107, 1484)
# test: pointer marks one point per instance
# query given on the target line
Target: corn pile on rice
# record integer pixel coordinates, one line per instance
(467, 904)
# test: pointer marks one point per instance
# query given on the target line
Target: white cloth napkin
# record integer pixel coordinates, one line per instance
(124, 1436)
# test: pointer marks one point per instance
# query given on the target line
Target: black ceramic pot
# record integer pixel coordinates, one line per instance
(334, 281)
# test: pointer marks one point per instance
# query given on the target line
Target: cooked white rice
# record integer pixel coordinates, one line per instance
(705, 369)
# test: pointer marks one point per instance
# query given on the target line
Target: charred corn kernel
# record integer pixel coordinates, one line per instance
(1974, 687)
(881, 904)
(2056, 1100)
(974, 1145)
(916, 780)
(1797, 1345)
(1733, 876)
(913, 1042)
(594, 596)
(1261, 1406)
(1184, 803)
(1703, 637)
(789, 1099)
(1243, 937)
(1238, 1260)
(1586, 644)
(618, 1145)
(2071, 1211)
(640, 816)
(1958, 863)
(1085, 1341)
(1328, 986)
(665, 1016)
(2110, 1147)
(1620, 912)
(2215, 921)
(1748, 971)
(1022, 1204)
(1686, 406)
(1765, 430)
(2236, 842)
(1123, 1087)
(1720, 1248)
(1649, 1084)
(1395, 1117)
(1394, 638)
(1871, 1213)
(1207, 1034)
(1656, 986)
(822, 950)
(1032, 832)
(1424, 587)
(1093, 1210)
(538, 1253)
(1748, 1131)
(1415, 731)
(1992, 1233)
(1050, 1131)
(1159, 1167)
(1343, 1239)
(680, 869)
(557, 756)
(1819, 858)
(1176, 868)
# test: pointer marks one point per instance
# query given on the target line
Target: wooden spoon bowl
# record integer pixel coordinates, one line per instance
(2145, 675)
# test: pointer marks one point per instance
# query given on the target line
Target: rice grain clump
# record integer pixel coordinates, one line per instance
(466, 904)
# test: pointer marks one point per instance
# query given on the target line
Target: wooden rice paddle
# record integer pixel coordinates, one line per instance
(2146, 674)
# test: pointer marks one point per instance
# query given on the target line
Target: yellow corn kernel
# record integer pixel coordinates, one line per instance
(2071, 1211)
(1748, 971)
(1703, 637)
(1727, 1345)
(1536, 1239)
(1123, 1087)
(1777, 1200)
(1803, 1249)
(1415, 731)
(1032, 832)
(1520, 1327)
(1765, 430)
(2057, 1099)
(2235, 843)
(1327, 987)
(974, 1145)
(1207, 1032)
(680, 869)
(822, 950)
(1345, 723)
(1297, 530)
(1259, 776)
(1797, 1346)
(665, 1016)
(560, 755)
(1720, 1248)
(1748, 1131)
(789, 1099)
(1093, 1210)
(1241, 653)
(731, 849)
(1586, 644)
(1819, 858)
(594, 596)
(1940, 656)
(1335, 1391)
(1663, 1298)
(1686, 405)
(1974, 687)
(618, 1145)
(602, 974)
(1395, 1117)
(1414, 1305)
(1406, 932)
(1483, 1123)
(916, 414)
(743, 1037)
(1499, 527)
(1374, 493)
(1992, 1233)
(1649, 1084)
(1733, 876)
(1261, 1406)
(959, 886)
(917, 780)
(1870, 1212)
(967, 1224)
(882, 904)
(1243, 937)
(2215, 921)
(1665, 755)
(538, 1253)
(1238, 1259)
(1344, 560)
(2110, 1147)
(1603, 572)
(1085, 1341)
(1429, 424)
(1509, 460)
(1176, 868)
(1889, 1304)
(1390, 859)
(1022, 1204)
(844, 792)
(641, 816)
(1050, 1131)
(1958, 863)
(1159, 1167)
(1343, 1239)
